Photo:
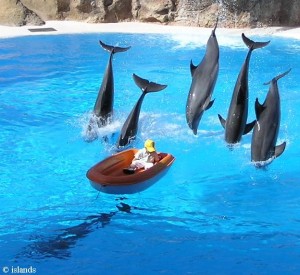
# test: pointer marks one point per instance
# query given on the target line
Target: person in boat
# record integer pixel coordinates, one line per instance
(144, 158)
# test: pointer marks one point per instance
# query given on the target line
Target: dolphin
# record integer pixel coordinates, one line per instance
(204, 77)
(265, 132)
(236, 124)
(103, 107)
(130, 126)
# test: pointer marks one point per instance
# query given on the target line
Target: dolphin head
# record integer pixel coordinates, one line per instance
(193, 121)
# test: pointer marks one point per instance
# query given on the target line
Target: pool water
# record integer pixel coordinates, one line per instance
(213, 212)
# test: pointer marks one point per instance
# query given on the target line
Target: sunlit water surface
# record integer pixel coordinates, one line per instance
(213, 212)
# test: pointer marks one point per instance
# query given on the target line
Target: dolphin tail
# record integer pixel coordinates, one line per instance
(146, 86)
(113, 49)
(249, 127)
(279, 149)
(253, 45)
(214, 30)
(222, 120)
(278, 77)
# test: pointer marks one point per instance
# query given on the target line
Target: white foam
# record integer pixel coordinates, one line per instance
(87, 120)
(261, 164)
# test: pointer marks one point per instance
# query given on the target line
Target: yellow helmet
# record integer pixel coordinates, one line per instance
(150, 145)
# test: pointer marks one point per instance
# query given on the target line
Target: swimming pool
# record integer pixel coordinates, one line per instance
(213, 212)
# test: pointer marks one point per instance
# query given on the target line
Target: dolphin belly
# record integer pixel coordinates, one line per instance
(262, 148)
(235, 123)
(264, 138)
(204, 77)
(194, 108)
(199, 98)
(233, 131)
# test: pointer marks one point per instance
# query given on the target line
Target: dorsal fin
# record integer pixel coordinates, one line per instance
(258, 108)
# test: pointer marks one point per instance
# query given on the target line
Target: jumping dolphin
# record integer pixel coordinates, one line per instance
(130, 126)
(265, 132)
(235, 126)
(103, 108)
(204, 77)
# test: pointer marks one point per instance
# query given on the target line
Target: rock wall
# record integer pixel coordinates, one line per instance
(257, 13)
(14, 13)
(203, 13)
(239, 13)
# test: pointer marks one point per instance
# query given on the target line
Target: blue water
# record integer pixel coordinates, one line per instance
(213, 212)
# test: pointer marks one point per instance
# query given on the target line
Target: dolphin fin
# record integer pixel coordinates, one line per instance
(278, 77)
(258, 108)
(113, 49)
(222, 120)
(279, 149)
(192, 68)
(252, 44)
(146, 86)
(209, 105)
(249, 127)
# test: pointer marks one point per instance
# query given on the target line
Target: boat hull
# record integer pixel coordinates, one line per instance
(107, 176)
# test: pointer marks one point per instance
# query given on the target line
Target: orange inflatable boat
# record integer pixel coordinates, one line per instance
(107, 176)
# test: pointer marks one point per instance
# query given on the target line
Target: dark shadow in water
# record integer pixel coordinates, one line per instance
(59, 246)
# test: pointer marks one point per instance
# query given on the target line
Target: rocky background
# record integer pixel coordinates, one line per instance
(202, 13)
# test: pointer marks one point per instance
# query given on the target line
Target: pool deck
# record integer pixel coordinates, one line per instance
(75, 27)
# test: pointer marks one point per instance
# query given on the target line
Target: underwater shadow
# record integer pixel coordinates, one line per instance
(59, 246)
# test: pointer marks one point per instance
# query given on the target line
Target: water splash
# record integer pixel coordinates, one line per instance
(90, 129)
